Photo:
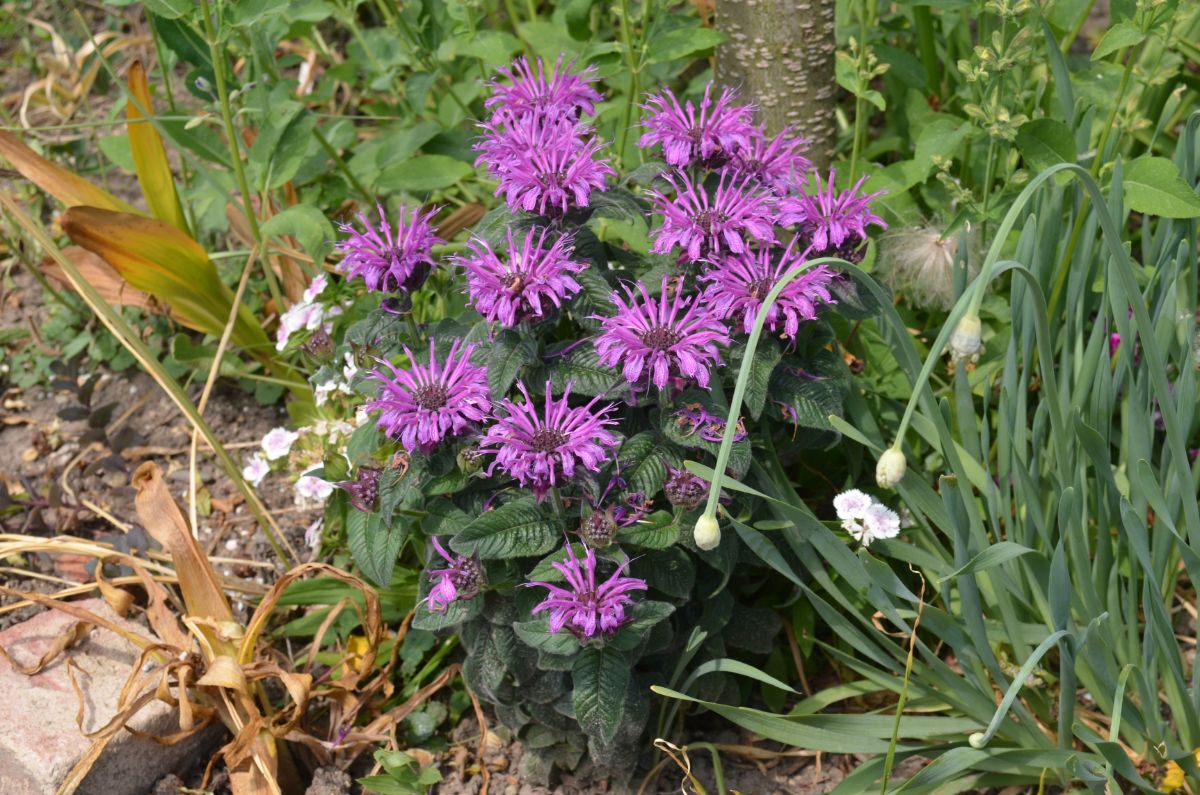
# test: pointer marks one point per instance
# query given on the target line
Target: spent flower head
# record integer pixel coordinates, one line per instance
(525, 285)
(426, 403)
(462, 579)
(545, 450)
(554, 93)
(694, 418)
(655, 339)
(738, 211)
(737, 286)
(709, 133)
(832, 222)
(587, 608)
(390, 258)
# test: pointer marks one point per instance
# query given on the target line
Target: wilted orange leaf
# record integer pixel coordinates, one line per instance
(68, 188)
(149, 154)
(111, 286)
(162, 261)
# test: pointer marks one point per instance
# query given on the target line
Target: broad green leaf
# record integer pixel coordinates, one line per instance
(600, 678)
(510, 352)
(657, 531)
(423, 174)
(308, 225)
(245, 13)
(581, 369)
(536, 633)
(766, 355)
(516, 529)
(682, 43)
(1153, 186)
(669, 571)
(1118, 37)
(644, 458)
(374, 546)
(1045, 143)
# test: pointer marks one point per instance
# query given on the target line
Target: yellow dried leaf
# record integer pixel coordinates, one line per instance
(149, 154)
(68, 188)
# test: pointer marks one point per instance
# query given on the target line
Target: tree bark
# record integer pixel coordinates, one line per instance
(780, 54)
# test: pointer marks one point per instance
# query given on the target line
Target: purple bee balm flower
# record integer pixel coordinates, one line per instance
(388, 258)
(777, 163)
(694, 418)
(542, 452)
(461, 580)
(559, 93)
(587, 608)
(542, 165)
(660, 337)
(525, 286)
(738, 285)
(832, 222)
(705, 226)
(713, 132)
(426, 403)
(363, 491)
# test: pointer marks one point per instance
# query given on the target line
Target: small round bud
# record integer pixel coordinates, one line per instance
(707, 533)
(967, 341)
(977, 740)
(683, 489)
(890, 469)
(319, 346)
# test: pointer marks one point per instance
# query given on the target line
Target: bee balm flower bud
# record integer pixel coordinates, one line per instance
(707, 534)
(890, 469)
(966, 342)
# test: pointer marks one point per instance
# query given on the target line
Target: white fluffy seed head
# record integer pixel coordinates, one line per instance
(707, 533)
(920, 263)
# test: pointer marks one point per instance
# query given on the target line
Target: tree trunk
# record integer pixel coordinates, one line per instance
(780, 54)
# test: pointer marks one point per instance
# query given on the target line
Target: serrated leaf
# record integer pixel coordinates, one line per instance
(536, 633)
(600, 678)
(516, 529)
(582, 370)
(670, 571)
(810, 389)
(643, 461)
(374, 545)
(509, 353)
(456, 612)
(1153, 186)
(658, 531)
(766, 356)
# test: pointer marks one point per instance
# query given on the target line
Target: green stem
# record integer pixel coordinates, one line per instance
(559, 509)
(217, 54)
(927, 46)
(341, 165)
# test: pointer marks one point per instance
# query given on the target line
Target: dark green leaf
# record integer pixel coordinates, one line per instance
(374, 546)
(600, 677)
(1045, 143)
(516, 529)
(536, 633)
(509, 353)
(644, 458)
(766, 356)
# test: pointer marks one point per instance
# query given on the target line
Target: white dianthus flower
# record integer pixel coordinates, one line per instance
(278, 443)
(880, 522)
(256, 469)
(852, 504)
(310, 489)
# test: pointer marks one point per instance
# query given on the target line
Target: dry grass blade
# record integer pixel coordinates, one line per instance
(108, 283)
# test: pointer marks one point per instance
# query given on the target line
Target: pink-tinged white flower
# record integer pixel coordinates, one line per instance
(587, 608)
(737, 286)
(544, 166)
(657, 339)
(545, 450)
(303, 316)
(315, 288)
(310, 490)
(706, 134)
(390, 258)
(462, 579)
(777, 163)
(738, 212)
(831, 222)
(552, 94)
(852, 504)
(524, 286)
(256, 469)
(426, 403)
(865, 518)
(278, 443)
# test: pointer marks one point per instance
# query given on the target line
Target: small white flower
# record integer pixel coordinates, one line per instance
(278, 443)
(880, 522)
(855, 528)
(361, 416)
(351, 369)
(852, 504)
(315, 287)
(256, 469)
(312, 535)
(309, 489)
